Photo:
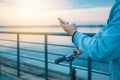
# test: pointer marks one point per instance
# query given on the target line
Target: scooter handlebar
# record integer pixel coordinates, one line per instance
(61, 59)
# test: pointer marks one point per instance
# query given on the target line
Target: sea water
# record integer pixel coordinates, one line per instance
(39, 47)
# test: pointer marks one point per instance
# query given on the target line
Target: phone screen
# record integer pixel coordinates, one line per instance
(61, 20)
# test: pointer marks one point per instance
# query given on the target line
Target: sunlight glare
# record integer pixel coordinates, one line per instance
(30, 6)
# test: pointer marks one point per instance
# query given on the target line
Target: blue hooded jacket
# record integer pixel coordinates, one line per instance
(105, 44)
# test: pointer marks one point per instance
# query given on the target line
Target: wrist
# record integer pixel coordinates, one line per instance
(73, 32)
(73, 36)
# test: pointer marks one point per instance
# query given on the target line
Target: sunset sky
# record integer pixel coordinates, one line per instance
(45, 12)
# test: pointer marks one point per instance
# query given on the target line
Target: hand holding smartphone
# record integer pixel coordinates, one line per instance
(62, 21)
(70, 29)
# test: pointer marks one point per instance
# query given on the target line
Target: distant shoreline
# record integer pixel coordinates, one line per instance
(55, 26)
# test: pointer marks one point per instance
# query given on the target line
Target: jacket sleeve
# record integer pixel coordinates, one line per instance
(105, 44)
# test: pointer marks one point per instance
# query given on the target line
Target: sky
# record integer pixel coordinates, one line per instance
(46, 12)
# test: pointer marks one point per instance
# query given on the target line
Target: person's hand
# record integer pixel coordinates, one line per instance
(77, 52)
(70, 29)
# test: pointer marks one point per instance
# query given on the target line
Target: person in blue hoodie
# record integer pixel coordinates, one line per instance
(104, 45)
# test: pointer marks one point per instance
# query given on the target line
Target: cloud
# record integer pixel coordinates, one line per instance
(90, 3)
(60, 4)
(7, 2)
(12, 16)
(26, 12)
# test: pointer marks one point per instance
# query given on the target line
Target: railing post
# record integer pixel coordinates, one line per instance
(89, 68)
(70, 63)
(0, 66)
(18, 55)
(46, 58)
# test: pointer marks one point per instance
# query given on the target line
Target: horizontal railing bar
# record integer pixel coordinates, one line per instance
(33, 58)
(31, 42)
(67, 65)
(22, 56)
(8, 53)
(94, 71)
(32, 50)
(56, 54)
(48, 44)
(101, 72)
(95, 60)
(8, 59)
(8, 40)
(20, 41)
(92, 60)
(100, 61)
(23, 49)
(34, 33)
(41, 33)
(61, 45)
(8, 46)
(37, 43)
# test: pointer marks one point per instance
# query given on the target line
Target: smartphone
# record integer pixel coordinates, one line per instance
(62, 21)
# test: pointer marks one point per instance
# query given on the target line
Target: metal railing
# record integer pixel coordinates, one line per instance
(46, 61)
